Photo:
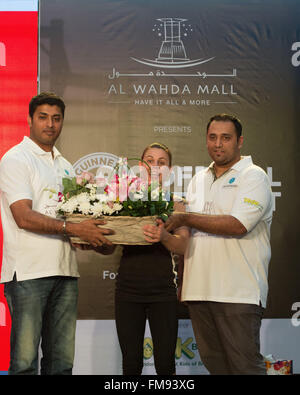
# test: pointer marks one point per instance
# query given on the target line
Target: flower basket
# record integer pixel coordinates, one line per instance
(126, 202)
(128, 230)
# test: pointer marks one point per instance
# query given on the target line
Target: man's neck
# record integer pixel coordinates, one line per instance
(44, 147)
(220, 170)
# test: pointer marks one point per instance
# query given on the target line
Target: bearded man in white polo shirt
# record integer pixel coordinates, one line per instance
(225, 281)
(39, 266)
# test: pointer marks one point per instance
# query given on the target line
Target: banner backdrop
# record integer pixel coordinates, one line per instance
(136, 71)
(18, 83)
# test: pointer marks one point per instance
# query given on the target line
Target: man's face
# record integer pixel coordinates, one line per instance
(45, 126)
(222, 143)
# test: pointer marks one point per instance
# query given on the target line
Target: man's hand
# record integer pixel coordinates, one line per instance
(89, 231)
(176, 220)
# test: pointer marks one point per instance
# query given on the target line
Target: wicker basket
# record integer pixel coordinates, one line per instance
(128, 230)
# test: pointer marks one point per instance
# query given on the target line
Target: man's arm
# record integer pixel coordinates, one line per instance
(33, 221)
(176, 242)
(225, 225)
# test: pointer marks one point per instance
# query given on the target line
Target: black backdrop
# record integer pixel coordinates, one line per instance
(124, 89)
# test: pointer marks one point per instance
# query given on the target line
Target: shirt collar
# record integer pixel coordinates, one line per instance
(244, 162)
(33, 147)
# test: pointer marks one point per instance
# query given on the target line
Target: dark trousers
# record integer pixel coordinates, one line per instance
(131, 321)
(227, 336)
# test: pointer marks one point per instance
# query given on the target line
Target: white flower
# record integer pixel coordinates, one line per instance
(102, 197)
(83, 198)
(107, 210)
(118, 206)
(70, 205)
(91, 186)
(84, 207)
(96, 209)
(94, 201)
(137, 196)
(93, 190)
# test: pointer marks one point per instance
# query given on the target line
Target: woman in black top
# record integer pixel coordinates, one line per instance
(146, 289)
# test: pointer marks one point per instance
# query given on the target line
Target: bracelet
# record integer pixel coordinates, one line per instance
(64, 228)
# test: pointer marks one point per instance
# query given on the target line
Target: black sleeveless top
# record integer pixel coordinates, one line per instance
(146, 274)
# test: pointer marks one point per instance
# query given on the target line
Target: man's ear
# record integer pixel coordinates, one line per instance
(29, 121)
(240, 142)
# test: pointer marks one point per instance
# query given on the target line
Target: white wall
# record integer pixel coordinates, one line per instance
(98, 351)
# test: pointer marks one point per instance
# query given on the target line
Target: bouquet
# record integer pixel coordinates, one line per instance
(124, 200)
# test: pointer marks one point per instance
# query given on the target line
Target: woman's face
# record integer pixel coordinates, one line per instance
(156, 159)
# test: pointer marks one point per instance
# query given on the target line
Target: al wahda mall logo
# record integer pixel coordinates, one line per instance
(170, 74)
(172, 53)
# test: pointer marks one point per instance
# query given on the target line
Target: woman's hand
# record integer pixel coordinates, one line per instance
(155, 233)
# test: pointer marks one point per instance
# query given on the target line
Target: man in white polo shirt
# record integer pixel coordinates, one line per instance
(39, 266)
(226, 263)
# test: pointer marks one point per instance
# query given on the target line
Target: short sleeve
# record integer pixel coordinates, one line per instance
(15, 180)
(254, 199)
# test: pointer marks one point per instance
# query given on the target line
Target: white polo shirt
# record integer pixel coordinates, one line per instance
(28, 172)
(228, 268)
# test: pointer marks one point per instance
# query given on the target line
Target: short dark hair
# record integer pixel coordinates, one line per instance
(227, 118)
(46, 98)
(161, 146)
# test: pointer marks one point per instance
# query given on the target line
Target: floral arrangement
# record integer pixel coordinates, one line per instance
(123, 194)
(278, 366)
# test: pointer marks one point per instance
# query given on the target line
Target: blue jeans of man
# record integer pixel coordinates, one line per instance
(43, 309)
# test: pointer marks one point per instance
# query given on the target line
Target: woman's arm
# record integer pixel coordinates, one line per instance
(176, 242)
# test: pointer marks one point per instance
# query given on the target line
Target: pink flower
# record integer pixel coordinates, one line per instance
(79, 180)
(112, 190)
(83, 177)
(123, 190)
(88, 176)
(110, 204)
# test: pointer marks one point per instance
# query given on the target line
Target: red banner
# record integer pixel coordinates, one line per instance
(18, 83)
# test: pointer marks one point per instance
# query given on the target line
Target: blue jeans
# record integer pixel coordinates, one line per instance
(42, 309)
